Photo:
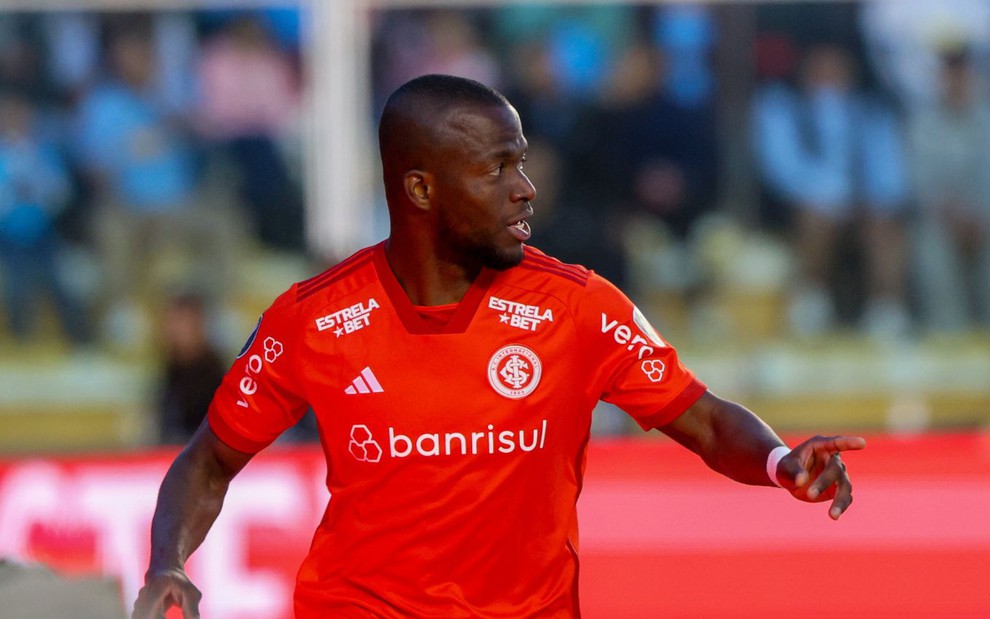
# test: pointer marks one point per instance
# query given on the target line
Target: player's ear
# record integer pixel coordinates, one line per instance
(417, 186)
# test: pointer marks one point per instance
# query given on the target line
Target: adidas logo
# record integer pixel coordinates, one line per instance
(365, 383)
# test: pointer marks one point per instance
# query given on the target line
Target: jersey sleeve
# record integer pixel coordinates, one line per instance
(260, 396)
(635, 368)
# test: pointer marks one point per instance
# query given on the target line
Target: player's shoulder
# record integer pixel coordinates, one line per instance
(349, 274)
(578, 286)
(544, 270)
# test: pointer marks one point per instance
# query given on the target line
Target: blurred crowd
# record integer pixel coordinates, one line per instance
(137, 148)
(140, 155)
(867, 134)
(616, 103)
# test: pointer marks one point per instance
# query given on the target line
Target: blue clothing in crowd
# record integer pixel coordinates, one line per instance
(127, 138)
(830, 151)
(34, 187)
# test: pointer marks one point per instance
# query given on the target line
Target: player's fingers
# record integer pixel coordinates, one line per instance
(835, 469)
(843, 497)
(149, 606)
(840, 505)
(190, 604)
(850, 443)
(791, 473)
(836, 444)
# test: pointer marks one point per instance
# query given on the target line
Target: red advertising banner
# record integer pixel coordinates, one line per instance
(661, 535)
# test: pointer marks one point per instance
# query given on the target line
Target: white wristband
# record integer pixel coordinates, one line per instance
(773, 460)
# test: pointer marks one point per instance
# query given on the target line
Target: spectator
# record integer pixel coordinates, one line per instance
(143, 174)
(72, 40)
(193, 369)
(457, 49)
(249, 106)
(583, 40)
(687, 33)
(550, 113)
(650, 160)
(22, 61)
(413, 43)
(834, 156)
(950, 148)
(902, 40)
(34, 189)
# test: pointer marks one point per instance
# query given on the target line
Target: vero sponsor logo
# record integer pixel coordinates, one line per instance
(272, 349)
(624, 336)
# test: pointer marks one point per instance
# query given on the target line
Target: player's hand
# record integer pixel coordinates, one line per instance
(814, 471)
(164, 589)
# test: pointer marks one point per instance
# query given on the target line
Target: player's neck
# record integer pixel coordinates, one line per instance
(428, 279)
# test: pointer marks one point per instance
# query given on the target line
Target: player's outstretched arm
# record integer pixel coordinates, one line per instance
(188, 502)
(736, 443)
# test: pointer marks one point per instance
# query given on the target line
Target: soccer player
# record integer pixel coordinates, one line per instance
(453, 370)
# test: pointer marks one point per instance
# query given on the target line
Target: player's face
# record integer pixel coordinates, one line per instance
(481, 193)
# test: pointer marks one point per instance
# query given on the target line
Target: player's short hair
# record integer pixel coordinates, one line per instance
(428, 94)
(445, 90)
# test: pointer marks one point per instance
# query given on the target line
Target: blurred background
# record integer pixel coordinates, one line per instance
(796, 194)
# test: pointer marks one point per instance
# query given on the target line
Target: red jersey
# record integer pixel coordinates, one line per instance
(455, 448)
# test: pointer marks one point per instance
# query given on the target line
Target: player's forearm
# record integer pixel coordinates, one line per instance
(188, 503)
(729, 438)
(741, 445)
